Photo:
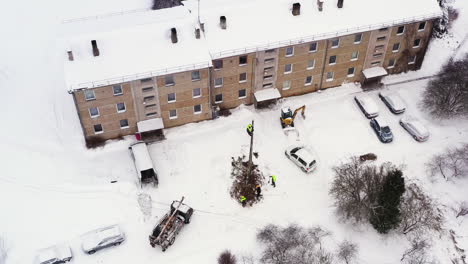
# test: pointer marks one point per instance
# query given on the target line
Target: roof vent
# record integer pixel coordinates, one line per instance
(296, 10)
(340, 3)
(174, 35)
(197, 33)
(320, 5)
(222, 22)
(95, 48)
(70, 55)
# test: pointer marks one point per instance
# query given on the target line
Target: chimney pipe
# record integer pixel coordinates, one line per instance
(197, 33)
(222, 22)
(320, 5)
(340, 3)
(202, 27)
(95, 48)
(70, 55)
(296, 9)
(174, 35)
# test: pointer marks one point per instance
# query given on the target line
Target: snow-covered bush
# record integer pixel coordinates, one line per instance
(293, 244)
(417, 253)
(446, 96)
(452, 163)
(347, 252)
(244, 184)
(227, 258)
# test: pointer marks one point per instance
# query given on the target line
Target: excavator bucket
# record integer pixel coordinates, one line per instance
(291, 132)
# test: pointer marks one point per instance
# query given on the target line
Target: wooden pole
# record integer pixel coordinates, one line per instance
(169, 219)
(249, 171)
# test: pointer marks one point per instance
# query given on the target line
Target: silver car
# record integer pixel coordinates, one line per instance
(393, 101)
(54, 255)
(367, 106)
(102, 238)
(415, 128)
(302, 157)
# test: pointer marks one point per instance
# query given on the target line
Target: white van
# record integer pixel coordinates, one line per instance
(143, 163)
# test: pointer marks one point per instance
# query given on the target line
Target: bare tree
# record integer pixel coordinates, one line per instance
(293, 245)
(446, 96)
(347, 252)
(417, 252)
(452, 163)
(227, 257)
(462, 209)
(418, 211)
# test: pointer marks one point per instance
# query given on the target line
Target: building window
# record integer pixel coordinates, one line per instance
(308, 80)
(335, 43)
(354, 55)
(151, 114)
(375, 63)
(218, 98)
(197, 109)
(416, 43)
(422, 26)
(400, 30)
(332, 60)
(219, 82)
(269, 60)
(286, 85)
(377, 55)
(313, 47)
(310, 64)
(89, 95)
(98, 129)
(147, 89)
(148, 98)
(149, 106)
(242, 60)
(173, 114)
(218, 64)
(242, 93)
(357, 38)
(242, 77)
(268, 85)
(267, 77)
(94, 112)
(412, 59)
(121, 107)
(289, 51)
(287, 68)
(117, 89)
(396, 47)
(351, 72)
(270, 51)
(171, 97)
(195, 76)
(391, 63)
(330, 76)
(383, 29)
(196, 92)
(169, 80)
(123, 123)
(378, 47)
(145, 80)
(381, 38)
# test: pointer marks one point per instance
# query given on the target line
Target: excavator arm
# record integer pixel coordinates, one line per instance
(297, 111)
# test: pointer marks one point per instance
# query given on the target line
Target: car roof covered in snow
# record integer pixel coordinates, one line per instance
(416, 123)
(382, 122)
(394, 99)
(306, 155)
(368, 103)
(57, 251)
(183, 207)
(142, 157)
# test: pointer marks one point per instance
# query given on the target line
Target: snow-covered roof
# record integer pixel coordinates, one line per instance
(267, 94)
(132, 46)
(150, 125)
(374, 72)
(142, 157)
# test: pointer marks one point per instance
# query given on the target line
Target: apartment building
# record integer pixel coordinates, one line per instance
(184, 62)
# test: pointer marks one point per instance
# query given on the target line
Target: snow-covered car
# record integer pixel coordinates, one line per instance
(415, 128)
(381, 128)
(54, 255)
(302, 157)
(367, 106)
(102, 238)
(393, 101)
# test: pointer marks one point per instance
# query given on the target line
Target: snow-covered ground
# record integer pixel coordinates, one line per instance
(53, 190)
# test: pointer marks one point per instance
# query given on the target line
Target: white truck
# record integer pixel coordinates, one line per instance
(143, 163)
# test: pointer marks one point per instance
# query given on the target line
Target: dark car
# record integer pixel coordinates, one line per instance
(382, 130)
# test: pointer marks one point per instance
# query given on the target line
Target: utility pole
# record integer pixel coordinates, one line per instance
(249, 170)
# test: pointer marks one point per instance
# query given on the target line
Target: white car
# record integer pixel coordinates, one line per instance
(54, 255)
(393, 101)
(367, 106)
(415, 128)
(102, 238)
(302, 157)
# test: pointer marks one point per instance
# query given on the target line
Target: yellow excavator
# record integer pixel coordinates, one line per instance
(288, 116)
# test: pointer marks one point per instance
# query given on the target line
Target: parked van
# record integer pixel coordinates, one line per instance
(143, 163)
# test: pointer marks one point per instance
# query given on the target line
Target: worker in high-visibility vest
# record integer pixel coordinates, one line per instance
(250, 129)
(273, 180)
(243, 200)
(258, 189)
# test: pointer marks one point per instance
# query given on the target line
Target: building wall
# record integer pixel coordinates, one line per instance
(108, 117)
(184, 104)
(142, 90)
(230, 72)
